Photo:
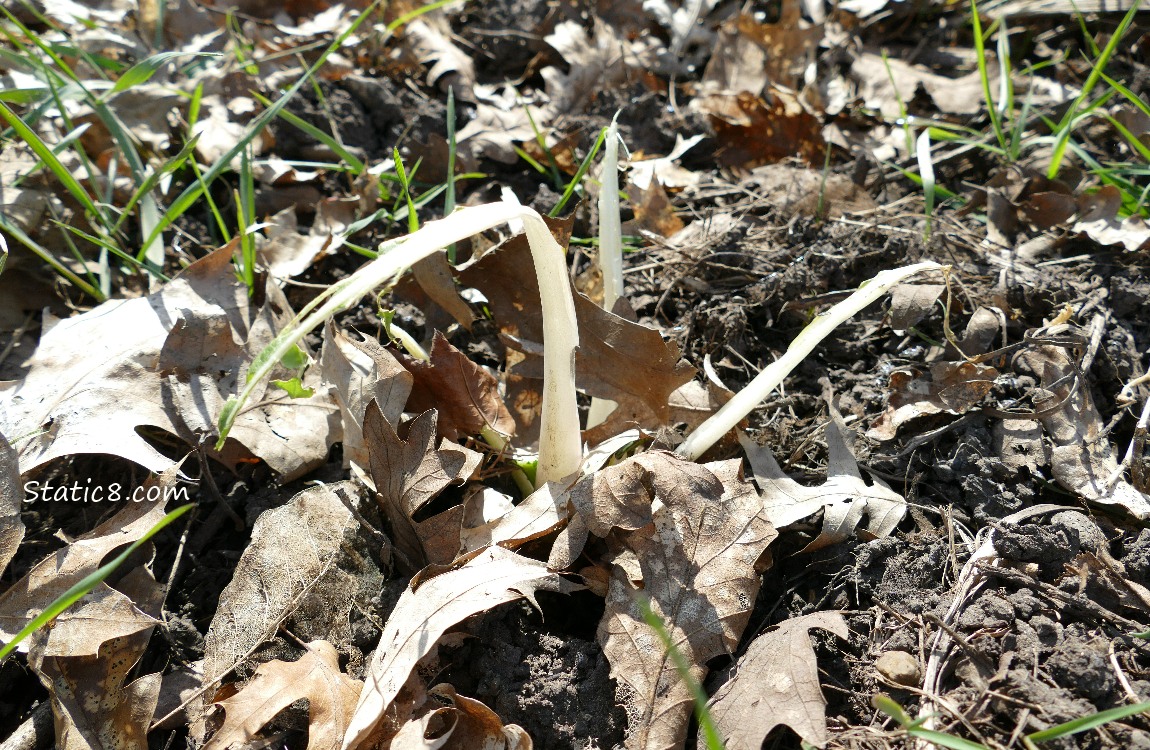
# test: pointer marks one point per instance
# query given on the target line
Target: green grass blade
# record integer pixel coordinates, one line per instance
(583, 167)
(80, 589)
(45, 255)
(1086, 723)
(44, 152)
(1065, 127)
(357, 165)
(143, 71)
(983, 74)
(110, 247)
(942, 739)
(706, 724)
(191, 194)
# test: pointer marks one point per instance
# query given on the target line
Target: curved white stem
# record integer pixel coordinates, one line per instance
(560, 448)
(741, 404)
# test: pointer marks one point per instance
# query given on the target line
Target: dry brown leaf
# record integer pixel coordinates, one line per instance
(277, 684)
(435, 277)
(288, 252)
(882, 90)
(844, 498)
(664, 168)
(617, 360)
(799, 190)
(596, 62)
(463, 724)
(1082, 459)
(168, 360)
(750, 54)
(692, 538)
(11, 499)
(94, 705)
(362, 372)
(104, 613)
(653, 209)
(910, 303)
(408, 473)
(776, 683)
(435, 601)
(1098, 219)
(288, 565)
(429, 39)
(752, 131)
(465, 394)
(948, 387)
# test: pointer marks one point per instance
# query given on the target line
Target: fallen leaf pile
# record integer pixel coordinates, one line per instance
(375, 502)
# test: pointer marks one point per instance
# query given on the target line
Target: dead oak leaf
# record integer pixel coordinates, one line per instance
(409, 473)
(289, 563)
(753, 130)
(463, 724)
(465, 394)
(436, 600)
(844, 498)
(94, 704)
(617, 359)
(362, 371)
(948, 387)
(169, 361)
(105, 612)
(776, 683)
(11, 499)
(331, 697)
(692, 538)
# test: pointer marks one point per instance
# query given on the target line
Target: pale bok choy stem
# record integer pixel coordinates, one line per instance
(610, 248)
(743, 402)
(560, 448)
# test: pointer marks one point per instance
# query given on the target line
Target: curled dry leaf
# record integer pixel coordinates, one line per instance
(362, 372)
(94, 704)
(844, 498)
(277, 684)
(1098, 219)
(105, 612)
(429, 40)
(463, 724)
(288, 566)
(168, 360)
(692, 538)
(11, 499)
(409, 473)
(1082, 459)
(617, 359)
(910, 303)
(465, 394)
(776, 683)
(436, 600)
(948, 387)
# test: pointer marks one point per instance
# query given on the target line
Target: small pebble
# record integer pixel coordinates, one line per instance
(900, 668)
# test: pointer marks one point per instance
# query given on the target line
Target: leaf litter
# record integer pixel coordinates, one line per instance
(764, 183)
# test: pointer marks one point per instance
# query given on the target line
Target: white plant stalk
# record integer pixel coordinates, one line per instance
(743, 402)
(610, 248)
(560, 448)
(926, 170)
